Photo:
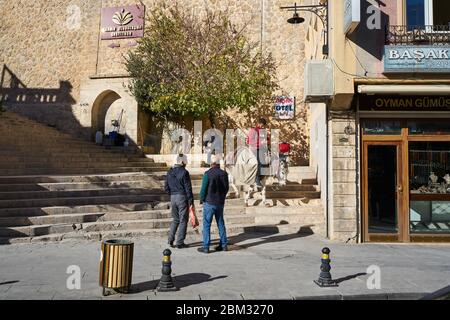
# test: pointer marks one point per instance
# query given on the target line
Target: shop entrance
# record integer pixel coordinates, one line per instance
(383, 191)
(405, 179)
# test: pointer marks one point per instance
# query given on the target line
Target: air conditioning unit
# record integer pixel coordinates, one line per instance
(319, 81)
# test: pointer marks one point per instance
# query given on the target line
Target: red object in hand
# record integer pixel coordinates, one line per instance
(284, 147)
(193, 217)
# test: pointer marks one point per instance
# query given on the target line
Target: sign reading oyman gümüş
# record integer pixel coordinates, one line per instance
(404, 103)
(284, 108)
(423, 59)
(123, 22)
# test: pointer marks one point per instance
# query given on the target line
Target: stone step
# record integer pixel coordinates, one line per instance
(309, 181)
(77, 171)
(20, 191)
(259, 209)
(78, 198)
(4, 204)
(90, 208)
(97, 236)
(72, 186)
(231, 214)
(291, 188)
(281, 194)
(27, 157)
(78, 218)
(53, 149)
(289, 219)
(133, 208)
(77, 193)
(92, 163)
(285, 203)
(99, 226)
(90, 193)
(94, 178)
(26, 140)
(232, 230)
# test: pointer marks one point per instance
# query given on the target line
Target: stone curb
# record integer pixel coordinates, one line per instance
(375, 296)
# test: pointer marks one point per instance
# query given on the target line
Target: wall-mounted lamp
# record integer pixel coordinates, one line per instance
(320, 10)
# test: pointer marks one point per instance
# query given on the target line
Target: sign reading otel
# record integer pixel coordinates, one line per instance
(123, 22)
(423, 59)
(284, 108)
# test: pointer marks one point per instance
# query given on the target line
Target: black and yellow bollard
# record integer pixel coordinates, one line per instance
(325, 279)
(166, 282)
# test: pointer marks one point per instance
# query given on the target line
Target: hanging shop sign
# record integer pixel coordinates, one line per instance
(284, 108)
(404, 103)
(123, 22)
(423, 59)
(352, 15)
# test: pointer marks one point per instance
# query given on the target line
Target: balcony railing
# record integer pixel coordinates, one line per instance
(418, 35)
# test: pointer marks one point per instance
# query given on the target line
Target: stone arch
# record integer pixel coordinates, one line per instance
(100, 108)
(103, 99)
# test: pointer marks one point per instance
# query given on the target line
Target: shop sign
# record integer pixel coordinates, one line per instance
(404, 103)
(123, 22)
(424, 59)
(352, 15)
(284, 108)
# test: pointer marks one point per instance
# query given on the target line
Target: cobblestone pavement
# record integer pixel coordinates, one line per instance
(256, 267)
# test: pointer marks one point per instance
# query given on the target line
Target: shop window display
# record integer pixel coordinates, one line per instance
(429, 187)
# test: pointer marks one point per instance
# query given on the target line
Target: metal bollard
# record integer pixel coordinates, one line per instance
(166, 282)
(325, 279)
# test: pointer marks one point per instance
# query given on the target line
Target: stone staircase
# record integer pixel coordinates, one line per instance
(55, 187)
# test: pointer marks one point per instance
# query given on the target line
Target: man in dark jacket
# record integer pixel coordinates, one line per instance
(178, 185)
(214, 190)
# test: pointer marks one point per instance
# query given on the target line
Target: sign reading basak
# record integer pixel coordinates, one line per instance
(123, 22)
(425, 59)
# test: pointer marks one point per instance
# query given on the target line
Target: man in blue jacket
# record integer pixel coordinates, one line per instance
(178, 185)
(214, 190)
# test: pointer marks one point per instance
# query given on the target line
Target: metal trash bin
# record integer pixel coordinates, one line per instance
(116, 265)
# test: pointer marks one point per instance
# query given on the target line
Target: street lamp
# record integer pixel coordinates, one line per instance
(320, 10)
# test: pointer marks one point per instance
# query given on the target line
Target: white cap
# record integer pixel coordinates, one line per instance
(215, 159)
(181, 159)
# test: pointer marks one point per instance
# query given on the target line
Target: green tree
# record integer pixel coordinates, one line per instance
(197, 65)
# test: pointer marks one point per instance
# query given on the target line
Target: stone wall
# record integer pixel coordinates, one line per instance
(46, 49)
(50, 49)
(344, 207)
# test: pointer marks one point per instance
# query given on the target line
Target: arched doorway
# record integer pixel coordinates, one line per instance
(105, 109)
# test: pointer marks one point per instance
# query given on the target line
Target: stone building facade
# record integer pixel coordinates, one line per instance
(57, 70)
(385, 134)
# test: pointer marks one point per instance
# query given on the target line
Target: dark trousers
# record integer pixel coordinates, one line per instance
(180, 215)
(259, 158)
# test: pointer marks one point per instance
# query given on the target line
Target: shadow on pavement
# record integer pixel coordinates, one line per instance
(234, 241)
(8, 282)
(181, 281)
(269, 234)
(350, 277)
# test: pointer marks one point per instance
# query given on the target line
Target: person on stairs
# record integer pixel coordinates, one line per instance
(179, 186)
